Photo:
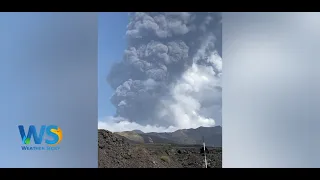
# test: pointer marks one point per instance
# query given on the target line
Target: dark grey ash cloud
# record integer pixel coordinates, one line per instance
(170, 73)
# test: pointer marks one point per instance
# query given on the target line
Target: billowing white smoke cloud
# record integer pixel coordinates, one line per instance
(118, 124)
(194, 94)
(170, 77)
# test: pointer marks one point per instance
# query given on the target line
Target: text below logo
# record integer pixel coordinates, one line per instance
(52, 139)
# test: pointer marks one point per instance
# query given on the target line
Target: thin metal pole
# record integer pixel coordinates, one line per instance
(204, 150)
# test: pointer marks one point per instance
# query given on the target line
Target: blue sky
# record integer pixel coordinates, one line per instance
(111, 44)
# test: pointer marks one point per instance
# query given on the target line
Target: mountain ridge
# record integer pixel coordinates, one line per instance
(192, 136)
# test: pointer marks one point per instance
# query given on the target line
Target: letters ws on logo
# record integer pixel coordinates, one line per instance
(53, 136)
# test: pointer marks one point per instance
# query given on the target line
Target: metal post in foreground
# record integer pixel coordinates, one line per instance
(204, 150)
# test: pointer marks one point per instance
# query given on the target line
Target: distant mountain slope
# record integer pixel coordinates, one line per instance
(212, 135)
(138, 131)
(144, 138)
(132, 135)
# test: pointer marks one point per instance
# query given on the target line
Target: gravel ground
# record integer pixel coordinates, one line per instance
(116, 151)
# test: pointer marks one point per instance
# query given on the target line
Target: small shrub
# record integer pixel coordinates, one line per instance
(165, 158)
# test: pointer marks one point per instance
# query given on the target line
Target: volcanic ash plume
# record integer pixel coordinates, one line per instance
(171, 71)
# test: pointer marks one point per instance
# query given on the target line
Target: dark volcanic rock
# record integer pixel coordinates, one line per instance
(202, 150)
(116, 151)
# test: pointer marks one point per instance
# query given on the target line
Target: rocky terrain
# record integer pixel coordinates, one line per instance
(136, 149)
